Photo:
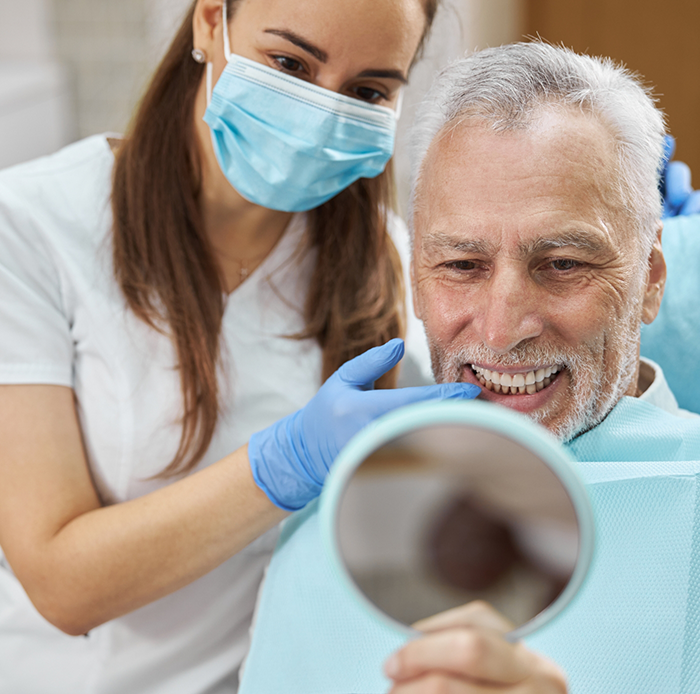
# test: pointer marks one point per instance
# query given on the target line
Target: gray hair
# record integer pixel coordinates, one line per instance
(509, 86)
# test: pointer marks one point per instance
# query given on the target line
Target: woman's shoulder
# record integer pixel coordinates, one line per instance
(75, 160)
(57, 205)
(67, 187)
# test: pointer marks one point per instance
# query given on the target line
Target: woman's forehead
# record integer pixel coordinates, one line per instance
(367, 30)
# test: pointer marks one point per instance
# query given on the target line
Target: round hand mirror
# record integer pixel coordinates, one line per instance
(442, 503)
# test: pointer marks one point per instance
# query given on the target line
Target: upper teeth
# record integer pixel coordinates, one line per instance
(529, 381)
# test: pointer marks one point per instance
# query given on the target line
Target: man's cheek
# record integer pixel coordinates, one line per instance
(439, 323)
(447, 312)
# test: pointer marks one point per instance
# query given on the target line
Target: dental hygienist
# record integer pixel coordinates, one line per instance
(165, 296)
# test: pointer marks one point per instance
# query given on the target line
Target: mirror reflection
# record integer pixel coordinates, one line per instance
(449, 514)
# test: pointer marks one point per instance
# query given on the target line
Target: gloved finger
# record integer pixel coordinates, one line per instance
(387, 400)
(366, 368)
(678, 186)
(692, 204)
(669, 148)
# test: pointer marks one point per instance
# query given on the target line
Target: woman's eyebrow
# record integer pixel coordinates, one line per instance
(386, 74)
(322, 56)
(300, 42)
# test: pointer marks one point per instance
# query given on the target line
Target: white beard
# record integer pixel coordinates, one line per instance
(600, 374)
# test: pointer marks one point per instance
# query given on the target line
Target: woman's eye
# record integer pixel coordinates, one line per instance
(288, 64)
(369, 94)
(564, 264)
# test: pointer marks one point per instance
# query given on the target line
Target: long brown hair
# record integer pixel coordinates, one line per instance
(168, 273)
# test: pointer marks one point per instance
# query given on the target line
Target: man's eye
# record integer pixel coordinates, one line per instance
(564, 264)
(288, 64)
(463, 265)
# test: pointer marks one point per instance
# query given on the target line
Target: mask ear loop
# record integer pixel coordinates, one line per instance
(227, 50)
(210, 70)
(227, 44)
(399, 103)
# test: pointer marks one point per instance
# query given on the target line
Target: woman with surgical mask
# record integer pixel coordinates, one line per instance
(171, 302)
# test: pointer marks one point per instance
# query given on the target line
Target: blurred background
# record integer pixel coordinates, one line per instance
(72, 68)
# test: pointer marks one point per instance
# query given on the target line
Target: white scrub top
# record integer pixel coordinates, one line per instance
(64, 321)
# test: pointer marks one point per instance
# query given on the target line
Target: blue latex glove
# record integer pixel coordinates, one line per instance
(678, 194)
(291, 458)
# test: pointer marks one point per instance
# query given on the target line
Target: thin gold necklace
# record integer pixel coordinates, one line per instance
(246, 263)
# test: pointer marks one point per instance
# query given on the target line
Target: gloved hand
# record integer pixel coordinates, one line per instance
(678, 194)
(291, 458)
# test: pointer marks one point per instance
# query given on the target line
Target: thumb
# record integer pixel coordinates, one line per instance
(366, 368)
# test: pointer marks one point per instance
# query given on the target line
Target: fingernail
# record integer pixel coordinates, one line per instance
(391, 666)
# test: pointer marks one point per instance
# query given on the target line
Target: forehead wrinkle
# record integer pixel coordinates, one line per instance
(576, 239)
(437, 240)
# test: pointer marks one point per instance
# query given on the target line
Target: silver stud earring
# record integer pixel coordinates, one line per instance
(199, 55)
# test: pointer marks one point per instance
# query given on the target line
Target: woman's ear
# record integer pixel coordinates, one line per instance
(656, 280)
(206, 25)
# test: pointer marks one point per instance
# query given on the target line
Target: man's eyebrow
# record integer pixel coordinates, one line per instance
(445, 242)
(300, 42)
(576, 239)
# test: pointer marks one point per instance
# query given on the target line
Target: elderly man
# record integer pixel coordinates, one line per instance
(537, 238)
(536, 258)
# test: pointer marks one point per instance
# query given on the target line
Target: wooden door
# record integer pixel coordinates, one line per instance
(658, 39)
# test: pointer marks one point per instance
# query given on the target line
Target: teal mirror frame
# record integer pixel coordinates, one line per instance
(474, 414)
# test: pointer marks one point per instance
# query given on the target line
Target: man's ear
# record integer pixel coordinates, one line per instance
(656, 280)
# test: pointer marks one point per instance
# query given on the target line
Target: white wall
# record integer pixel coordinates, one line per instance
(104, 45)
(163, 19)
(25, 32)
(35, 98)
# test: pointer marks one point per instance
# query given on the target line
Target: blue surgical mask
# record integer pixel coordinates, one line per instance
(289, 145)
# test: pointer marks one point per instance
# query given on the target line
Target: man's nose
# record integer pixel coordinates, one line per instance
(510, 311)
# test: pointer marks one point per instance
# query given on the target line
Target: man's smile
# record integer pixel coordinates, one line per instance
(525, 389)
(526, 380)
